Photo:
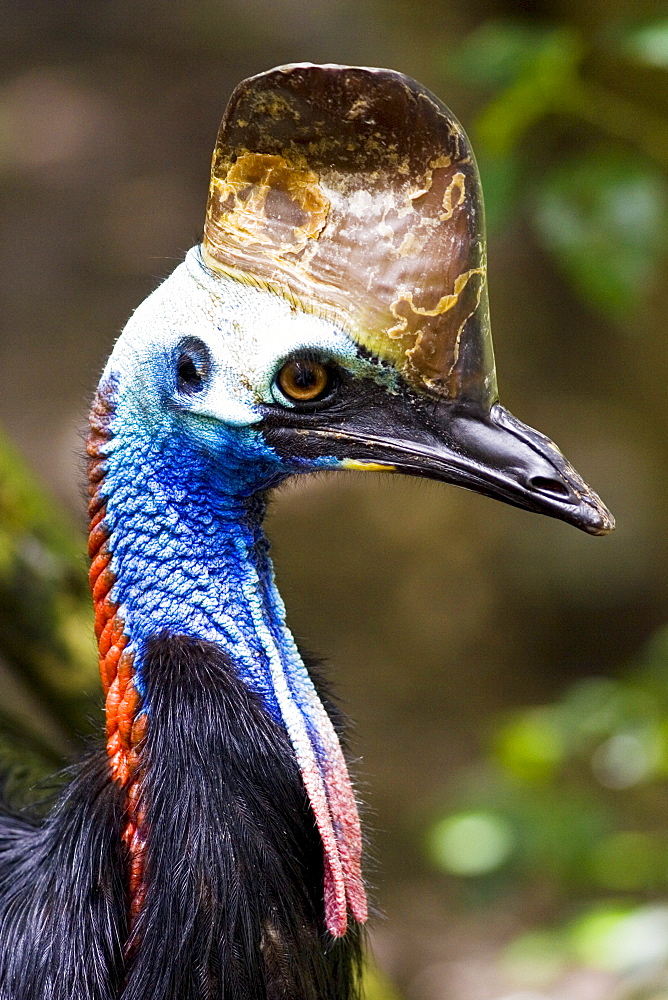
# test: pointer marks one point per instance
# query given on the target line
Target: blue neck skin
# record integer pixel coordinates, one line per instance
(184, 508)
(189, 553)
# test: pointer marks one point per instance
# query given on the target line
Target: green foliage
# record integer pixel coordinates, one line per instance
(604, 218)
(630, 942)
(499, 52)
(544, 79)
(471, 843)
(375, 985)
(597, 198)
(47, 654)
(570, 799)
(647, 43)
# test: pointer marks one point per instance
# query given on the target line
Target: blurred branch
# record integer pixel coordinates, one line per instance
(619, 117)
(25, 720)
(47, 665)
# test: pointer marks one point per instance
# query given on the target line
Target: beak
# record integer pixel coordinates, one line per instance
(489, 452)
(501, 457)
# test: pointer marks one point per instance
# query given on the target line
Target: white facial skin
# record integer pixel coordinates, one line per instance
(250, 334)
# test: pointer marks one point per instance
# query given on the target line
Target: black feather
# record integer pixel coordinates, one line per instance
(233, 907)
(63, 900)
(234, 864)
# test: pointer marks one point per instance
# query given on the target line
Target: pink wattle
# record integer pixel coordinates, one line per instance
(330, 792)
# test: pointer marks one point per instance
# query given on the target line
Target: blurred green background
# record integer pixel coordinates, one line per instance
(509, 683)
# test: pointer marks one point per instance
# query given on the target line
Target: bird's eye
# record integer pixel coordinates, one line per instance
(192, 366)
(305, 381)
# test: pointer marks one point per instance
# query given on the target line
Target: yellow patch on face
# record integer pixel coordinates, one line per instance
(351, 463)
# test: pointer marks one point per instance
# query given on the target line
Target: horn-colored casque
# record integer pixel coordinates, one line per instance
(354, 193)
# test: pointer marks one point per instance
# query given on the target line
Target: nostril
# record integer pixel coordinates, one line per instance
(552, 487)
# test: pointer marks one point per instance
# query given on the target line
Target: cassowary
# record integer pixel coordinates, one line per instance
(335, 316)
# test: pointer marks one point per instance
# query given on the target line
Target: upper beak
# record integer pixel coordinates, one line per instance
(489, 452)
(501, 457)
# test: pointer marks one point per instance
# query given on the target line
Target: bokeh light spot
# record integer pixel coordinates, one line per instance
(532, 745)
(472, 843)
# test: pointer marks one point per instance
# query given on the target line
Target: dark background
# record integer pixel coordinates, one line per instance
(442, 614)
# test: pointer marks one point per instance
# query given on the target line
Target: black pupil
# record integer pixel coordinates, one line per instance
(189, 379)
(305, 375)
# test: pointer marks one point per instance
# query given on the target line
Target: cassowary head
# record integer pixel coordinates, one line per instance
(336, 314)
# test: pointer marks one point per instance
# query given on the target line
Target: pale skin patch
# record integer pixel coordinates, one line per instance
(445, 303)
(242, 199)
(458, 183)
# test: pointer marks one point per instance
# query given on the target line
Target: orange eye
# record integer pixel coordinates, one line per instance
(303, 380)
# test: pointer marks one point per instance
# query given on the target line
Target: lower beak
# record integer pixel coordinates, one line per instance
(501, 457)
(491, 453)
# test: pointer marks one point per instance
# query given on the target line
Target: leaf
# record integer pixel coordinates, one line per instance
(647, 43)
(471, 843)
(531, 746)
(375, 984)
(603, 216)
(47, 654)
(496, 54)
(545, 85)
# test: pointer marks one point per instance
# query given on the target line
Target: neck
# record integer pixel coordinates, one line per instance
(178, 550)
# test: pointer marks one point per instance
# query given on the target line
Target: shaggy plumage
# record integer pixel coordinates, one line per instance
(63, 908)
(234, 863)
(233, 907)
